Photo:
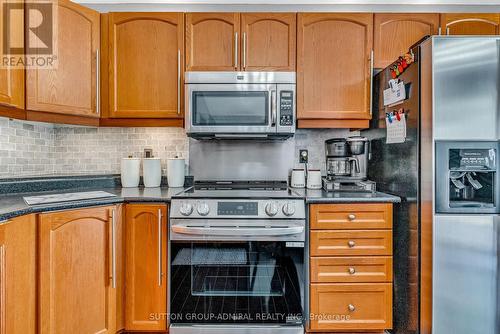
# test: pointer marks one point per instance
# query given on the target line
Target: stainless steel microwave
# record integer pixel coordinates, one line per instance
(240, 105)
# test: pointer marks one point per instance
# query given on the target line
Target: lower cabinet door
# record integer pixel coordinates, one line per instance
(76, 293)
(350, 307)
(18, 276)
(146, 267)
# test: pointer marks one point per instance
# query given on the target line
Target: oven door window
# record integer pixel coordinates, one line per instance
(230, 108)
(251, 282)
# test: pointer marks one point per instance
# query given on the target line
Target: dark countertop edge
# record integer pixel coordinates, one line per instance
(378, 198)
(79, 204)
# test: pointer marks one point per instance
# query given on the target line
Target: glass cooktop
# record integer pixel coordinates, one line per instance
(239, 189)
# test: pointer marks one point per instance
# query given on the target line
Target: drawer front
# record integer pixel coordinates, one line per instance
(348, 243)
(351, 216)
(351, 269)
(351, 306)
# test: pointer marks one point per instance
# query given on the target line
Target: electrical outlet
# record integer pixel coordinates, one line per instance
(303, 156)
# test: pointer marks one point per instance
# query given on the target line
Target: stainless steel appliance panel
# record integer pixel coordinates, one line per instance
(465, 274)
(232, 105)
(241, 160)
(466, 80)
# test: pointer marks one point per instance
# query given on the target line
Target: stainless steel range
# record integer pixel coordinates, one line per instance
(237, 259)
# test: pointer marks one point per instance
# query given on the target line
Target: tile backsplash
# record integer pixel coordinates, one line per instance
(31, 149)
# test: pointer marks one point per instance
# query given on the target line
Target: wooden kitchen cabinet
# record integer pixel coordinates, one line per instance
(11, 79)
(334, 69)
(470, 24)
(268, 41)
(76, 252)
(18, 275)
(212, 41)
(71, 88)
(145, 55)
(395, 33)
(351, 267)
(146, 267)
(240, 42)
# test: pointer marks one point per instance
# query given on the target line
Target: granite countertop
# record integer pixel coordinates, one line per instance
(13, 205)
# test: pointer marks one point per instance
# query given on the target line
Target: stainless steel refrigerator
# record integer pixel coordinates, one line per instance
(447, 228)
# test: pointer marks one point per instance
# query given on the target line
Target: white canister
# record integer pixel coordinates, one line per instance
(130, 172)
(175, 172)
(151, 171)
(314, 179)
(298, 178)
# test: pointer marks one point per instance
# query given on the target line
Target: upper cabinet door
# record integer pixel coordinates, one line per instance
(12, 80)
(145, 65)
(470, 24)
(268, 41)
(395, 33)
(71, 87)
(333, 66)
(212, 41)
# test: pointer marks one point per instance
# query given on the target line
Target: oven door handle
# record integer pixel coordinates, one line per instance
(237, 231)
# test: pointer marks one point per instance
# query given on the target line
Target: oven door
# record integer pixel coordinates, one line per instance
(231, 109)
(237, 273)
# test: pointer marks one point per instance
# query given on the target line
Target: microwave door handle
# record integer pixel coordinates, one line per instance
(273, 108)
(238, 231)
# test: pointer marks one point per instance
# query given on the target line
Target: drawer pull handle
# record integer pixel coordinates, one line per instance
(351, 308)
(352, 271)
(351, 217)
(351, 244)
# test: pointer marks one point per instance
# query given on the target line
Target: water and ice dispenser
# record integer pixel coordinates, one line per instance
(467, 177)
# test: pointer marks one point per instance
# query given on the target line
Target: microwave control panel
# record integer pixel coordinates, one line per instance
(286, 108)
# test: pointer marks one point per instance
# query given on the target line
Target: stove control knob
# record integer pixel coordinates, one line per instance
(203, 209)
(272, 209)
(186, 209)
(289, 209)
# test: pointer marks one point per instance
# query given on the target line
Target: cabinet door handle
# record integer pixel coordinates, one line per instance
(371, 83)
(159, 248)
(236, 50)
(244, 55)
(352, 270)
(351, 243)
(178, 82)
(98, 82)
(351, 308)
(113, 248)
(351, 217)
(273, 108)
